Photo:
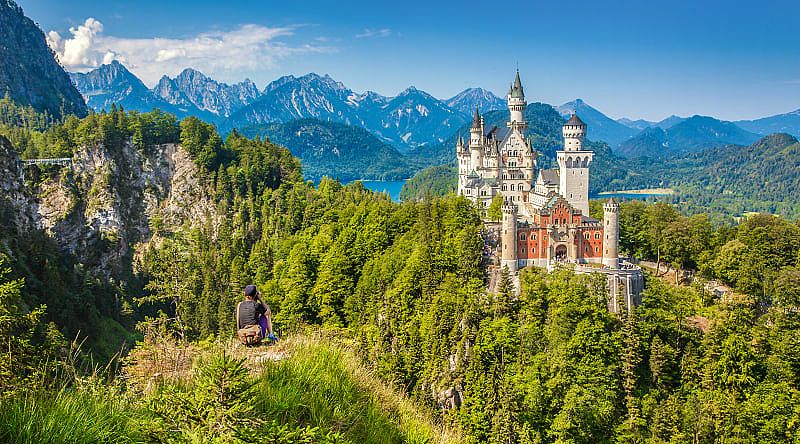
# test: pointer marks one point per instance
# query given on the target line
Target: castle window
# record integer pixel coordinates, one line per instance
(533, 250)
(512, 187)
(596, 249)
(522, 236)
(534, 237)
(587, 236)
(597, 235)
(523, 251)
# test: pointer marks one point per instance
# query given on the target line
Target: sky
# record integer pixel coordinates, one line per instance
(637, 59)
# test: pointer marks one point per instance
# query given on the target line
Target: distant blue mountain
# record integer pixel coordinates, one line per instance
(690, 135)
(782, 123)
(466, 101)
(600, 127)
(412, 118)
(641, 124)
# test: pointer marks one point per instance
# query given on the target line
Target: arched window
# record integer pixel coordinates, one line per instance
(587, 236)
(522, 236)
(597, 235)
(534, 237)
(521, 187)
(512, 187)
(504, 187)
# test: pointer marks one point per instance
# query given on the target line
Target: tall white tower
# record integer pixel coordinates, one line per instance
(476, 142)
(611, 234)
(574, 162)
(516, 105)
(463, 159)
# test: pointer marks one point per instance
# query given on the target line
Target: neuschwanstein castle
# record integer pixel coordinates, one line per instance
(545, 212)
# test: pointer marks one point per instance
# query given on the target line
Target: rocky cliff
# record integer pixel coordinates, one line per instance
(17, 206)
(107, 201)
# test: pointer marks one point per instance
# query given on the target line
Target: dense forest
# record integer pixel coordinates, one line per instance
(403, 287)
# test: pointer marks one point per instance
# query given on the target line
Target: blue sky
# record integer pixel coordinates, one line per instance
(638, 59)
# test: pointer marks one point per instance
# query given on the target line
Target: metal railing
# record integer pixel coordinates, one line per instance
(53, 161)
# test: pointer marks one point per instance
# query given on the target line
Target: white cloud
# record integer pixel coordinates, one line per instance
(220, 53)
(383, 32)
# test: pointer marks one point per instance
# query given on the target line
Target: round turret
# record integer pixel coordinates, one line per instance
(509, 236)
(611, 234)
(574, 132)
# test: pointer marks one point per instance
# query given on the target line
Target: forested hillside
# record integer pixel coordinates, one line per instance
(403, 284)
(336, 150)
(730, 180)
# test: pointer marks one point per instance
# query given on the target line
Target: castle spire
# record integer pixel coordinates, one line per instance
(476, 120)
(516, 88)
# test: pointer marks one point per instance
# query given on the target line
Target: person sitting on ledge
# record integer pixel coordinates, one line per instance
(253, 318)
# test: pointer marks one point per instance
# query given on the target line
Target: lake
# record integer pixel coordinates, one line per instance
(392, 187)
(623, 195)
(635, 194)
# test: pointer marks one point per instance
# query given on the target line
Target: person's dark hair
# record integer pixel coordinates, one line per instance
(250, 291)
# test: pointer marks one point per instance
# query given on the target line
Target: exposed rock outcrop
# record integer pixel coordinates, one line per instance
(109, 199)
(16, 203)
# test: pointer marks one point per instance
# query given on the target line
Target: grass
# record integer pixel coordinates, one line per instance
(322, 385)
(301, 382)
(68, 416)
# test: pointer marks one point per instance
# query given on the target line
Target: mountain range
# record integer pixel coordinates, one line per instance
(693, 134)
(413, 121)
(412, 118)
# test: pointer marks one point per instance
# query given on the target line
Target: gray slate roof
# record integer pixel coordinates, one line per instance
(549, 176)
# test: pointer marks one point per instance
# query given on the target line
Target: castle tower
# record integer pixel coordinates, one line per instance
(574, 162)
(475, 142)
(463, 159)
(516, 105)
(509, 236)
(611, 234)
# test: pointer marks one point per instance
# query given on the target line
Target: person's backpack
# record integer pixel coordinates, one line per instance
(250, 335)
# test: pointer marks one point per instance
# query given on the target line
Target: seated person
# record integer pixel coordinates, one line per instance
(253, 312)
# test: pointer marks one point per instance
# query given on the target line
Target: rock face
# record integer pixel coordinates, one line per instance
(28, 69)
(16, 204)
(101, 206)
